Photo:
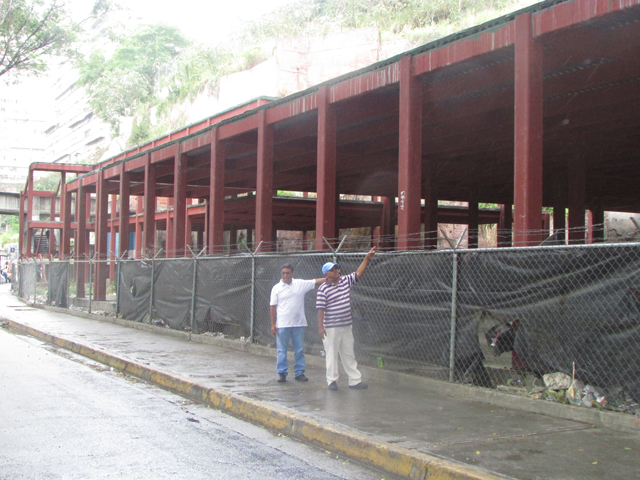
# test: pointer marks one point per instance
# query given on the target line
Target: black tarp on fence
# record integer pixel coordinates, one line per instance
(575, 305)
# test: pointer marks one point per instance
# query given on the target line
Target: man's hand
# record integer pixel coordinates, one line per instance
(274, 330)
(322, 332)
(365, 262)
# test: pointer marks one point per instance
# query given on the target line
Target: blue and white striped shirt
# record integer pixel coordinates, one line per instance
(335, 300)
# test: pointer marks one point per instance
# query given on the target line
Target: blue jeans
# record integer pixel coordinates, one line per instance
(296, 334)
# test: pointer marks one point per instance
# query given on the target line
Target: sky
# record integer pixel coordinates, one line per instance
(207, 21)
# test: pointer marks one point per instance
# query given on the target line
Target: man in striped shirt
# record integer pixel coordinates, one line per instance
(333, 304)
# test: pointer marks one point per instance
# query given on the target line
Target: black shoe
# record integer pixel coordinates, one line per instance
(359, 386)
(333, 386)
(301, 378)
(283, 378)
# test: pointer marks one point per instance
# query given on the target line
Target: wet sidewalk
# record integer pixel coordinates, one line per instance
(408, 426)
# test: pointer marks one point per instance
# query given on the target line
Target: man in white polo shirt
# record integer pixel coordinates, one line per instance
(288, 320)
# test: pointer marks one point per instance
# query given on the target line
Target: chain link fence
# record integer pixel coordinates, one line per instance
(487, 317)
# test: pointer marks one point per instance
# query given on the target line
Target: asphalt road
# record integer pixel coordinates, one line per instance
(63, 416)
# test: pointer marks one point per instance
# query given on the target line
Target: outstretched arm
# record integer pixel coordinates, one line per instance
(365, 262)
(319, 281)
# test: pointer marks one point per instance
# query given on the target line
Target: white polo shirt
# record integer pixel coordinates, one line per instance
(290, 302)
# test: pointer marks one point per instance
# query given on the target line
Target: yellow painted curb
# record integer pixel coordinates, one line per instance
(388, 457)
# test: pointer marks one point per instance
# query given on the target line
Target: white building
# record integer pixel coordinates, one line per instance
(23, 108)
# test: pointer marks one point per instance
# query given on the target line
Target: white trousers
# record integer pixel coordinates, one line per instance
(338, 342)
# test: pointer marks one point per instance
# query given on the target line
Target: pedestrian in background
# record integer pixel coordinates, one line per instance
(288, 320)
(333, 305)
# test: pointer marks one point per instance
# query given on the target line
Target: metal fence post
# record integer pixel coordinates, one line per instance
(35, 281)
(335, 252)
(90, 283)
(252, 313)
(193, 288)
(454, 305)
(153, 275)
(68, 283)
(118, 264)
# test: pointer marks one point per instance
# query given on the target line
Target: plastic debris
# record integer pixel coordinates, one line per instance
(557, 381)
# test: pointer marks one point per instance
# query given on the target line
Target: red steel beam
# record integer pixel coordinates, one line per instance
(571, 13)
(165, 153)
(463, 50)
(297, 106)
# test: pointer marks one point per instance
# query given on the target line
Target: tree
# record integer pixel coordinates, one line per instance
(128, 79)
(30, 32)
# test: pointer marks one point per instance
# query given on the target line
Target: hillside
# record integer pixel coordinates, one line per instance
(141, 107)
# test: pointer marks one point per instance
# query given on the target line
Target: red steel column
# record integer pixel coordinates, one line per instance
(139, 224)
(188, 228)
(559, 221)
(264, 183)
(179, 203)
(54, 204)
(473, 233)
(23, 224)
(386, 225)
(215, 236)
(589, 221)
(81, 239)
(504, 226)
(149, 207)
(168, 246)
(326, 170)
(200, 237)
(430, 218)
(65, 213)
(125, 199)
(409, 158)
(597, 227)
(29, 249)
(577, 200)
(527, 135)
(102, 213)
(112, 238)
(52, 218)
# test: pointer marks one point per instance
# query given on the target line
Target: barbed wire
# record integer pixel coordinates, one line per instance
(443, 239)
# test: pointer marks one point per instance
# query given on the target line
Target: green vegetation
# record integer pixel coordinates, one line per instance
(120, 84)
(10, 226)
(418, 21)
(30, 32)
